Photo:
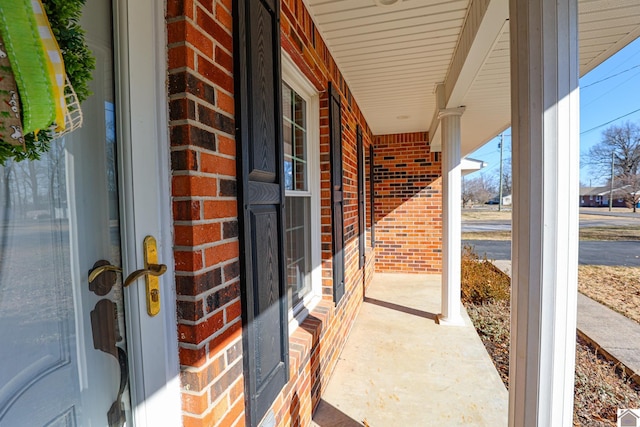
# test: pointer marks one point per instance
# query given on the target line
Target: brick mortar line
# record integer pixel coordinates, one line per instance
(190, 96)
(199, 174)
(198, 149)
(194, 248)
(209, 315)
(203, 198)
(202, 126)
(202, 270)
(203, 78)
(213, 17)
(188, 223)
(200, 29)
(192, 47)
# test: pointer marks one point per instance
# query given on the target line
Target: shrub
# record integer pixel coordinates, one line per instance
(481, 280)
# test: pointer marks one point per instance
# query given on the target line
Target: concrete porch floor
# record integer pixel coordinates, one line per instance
(399, 368)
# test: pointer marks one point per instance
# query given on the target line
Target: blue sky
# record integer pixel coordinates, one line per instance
(609, 94)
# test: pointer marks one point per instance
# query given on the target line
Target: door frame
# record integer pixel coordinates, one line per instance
(140, 63)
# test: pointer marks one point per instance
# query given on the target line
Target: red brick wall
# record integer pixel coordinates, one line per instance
(320, 338)
(200, 62)
(408, 204)
(202, 129)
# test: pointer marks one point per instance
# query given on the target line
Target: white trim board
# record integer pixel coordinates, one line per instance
(140, 63)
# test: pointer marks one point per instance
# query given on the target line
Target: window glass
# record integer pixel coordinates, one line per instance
(298, 197)
(298, 248)
(294, 127)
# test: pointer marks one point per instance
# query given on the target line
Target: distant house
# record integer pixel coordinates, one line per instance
(595, 197)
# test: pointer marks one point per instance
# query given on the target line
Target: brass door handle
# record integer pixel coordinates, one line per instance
(96, 271)
(156, 270)
(151, 271)
(102, 277)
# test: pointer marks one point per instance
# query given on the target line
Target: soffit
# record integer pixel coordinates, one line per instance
(604, 27)
(393, 57)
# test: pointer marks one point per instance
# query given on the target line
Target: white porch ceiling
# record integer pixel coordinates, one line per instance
(393, 57)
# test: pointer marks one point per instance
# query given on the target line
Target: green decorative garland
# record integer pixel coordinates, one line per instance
(64, 16)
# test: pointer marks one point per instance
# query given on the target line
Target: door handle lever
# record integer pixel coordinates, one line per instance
(96, 271)
(102, 277)
(151, 272)
(156, 270)
(152, 269)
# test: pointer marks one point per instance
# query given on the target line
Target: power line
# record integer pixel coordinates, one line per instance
(610, 121)
(610, 77)
(609, 91)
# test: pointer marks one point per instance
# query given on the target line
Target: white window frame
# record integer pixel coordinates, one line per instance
(365, 178)
(292, 76)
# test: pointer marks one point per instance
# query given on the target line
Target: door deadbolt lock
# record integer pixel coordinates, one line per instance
(103, 274)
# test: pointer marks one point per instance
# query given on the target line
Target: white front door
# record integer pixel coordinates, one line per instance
(74, 353)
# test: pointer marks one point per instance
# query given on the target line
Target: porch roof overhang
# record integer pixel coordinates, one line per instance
(469, 165)
(407, 59)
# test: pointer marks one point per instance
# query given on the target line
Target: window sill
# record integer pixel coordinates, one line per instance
(300, 312)
(305, 337)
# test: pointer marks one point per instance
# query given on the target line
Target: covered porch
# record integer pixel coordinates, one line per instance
(399, 367)
(465, 71)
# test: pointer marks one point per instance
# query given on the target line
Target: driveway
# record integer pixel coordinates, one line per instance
(618, 253)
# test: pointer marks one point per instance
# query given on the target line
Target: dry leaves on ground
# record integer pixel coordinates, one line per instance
(600, 387)
(491, 320)
(616, 287)
(485, 214)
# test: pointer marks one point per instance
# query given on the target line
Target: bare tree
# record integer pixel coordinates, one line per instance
(479, 190)
(507, 185)
(630, 190)
(623, 141)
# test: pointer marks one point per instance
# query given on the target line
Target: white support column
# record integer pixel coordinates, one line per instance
(451, 216)
(545, 161)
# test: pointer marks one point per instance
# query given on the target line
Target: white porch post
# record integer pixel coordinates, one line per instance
(451, 216)
(544, 116)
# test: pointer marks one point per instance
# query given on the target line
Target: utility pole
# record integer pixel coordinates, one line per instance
(500, 187)
(611, 184)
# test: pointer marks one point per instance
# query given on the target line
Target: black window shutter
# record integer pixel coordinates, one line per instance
(372, 196)
(361, 210)
(261, 201)
(335, 136)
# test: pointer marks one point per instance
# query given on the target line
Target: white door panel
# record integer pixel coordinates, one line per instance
(59, 215)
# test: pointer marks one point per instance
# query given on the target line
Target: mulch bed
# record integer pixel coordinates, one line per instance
(600, 387)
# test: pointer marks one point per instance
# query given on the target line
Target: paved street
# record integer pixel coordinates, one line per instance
(493, 225)
(505, 225)
(620, 253)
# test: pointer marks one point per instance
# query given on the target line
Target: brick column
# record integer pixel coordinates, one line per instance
(203, 163)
